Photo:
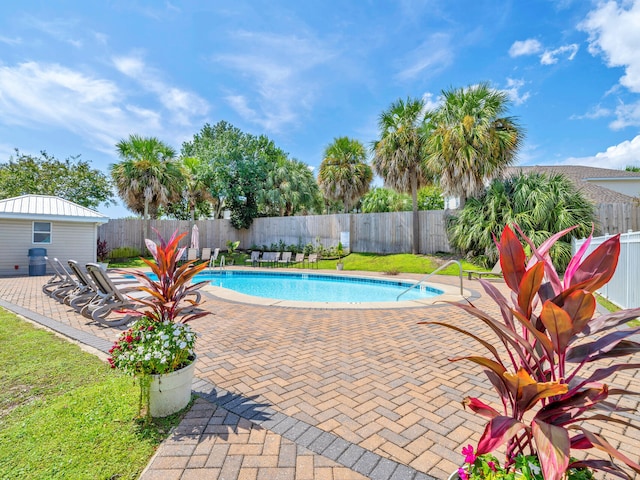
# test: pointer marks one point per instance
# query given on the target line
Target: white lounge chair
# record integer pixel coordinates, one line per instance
(496, 271)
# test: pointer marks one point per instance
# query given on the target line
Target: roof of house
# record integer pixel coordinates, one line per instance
(46, 207)
(582, 176)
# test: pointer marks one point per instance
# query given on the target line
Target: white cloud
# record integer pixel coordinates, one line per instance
(10, 41)
(513, 91)
(182, 104)
(51, 96)
(432, 56)
(530, 46)
(550, 57)
(595, 113)
(616, 156)
(64, 30)
(280, 71)
(614, 34)
(627, 115)
(430, 101)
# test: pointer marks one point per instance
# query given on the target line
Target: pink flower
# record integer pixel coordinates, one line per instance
(469, 457)
(462, 473)
(492, 466)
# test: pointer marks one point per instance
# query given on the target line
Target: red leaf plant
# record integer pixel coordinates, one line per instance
(549, 334)
(169, 294)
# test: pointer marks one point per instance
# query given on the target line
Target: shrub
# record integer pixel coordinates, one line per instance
(102, 252)
(124, 252)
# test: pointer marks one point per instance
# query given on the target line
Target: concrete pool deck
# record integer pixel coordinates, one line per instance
(299, 393)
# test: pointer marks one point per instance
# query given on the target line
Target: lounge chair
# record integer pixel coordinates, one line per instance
(313, 259)
(255, 258)
(214, 257)
(67, 286)
(107, 299)
(205, 255)
(496, 271)
(298, 259)
(57, 280)
(85, 290)
(285, 259)
(192, 254)
(267, 258)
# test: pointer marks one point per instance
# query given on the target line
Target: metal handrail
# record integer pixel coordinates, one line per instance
(441, 267)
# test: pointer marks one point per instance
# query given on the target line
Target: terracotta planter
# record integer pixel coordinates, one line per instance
(171, 392)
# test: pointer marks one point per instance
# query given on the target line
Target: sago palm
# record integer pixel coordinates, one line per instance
(473, 141)
(399, 154)
(344, 174)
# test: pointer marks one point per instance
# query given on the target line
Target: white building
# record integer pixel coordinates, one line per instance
(65, 229)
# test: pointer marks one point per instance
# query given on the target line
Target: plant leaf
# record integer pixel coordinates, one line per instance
(479, 407)
(558, 324)
(611, 320)
(598, 268)
(553, 448)
(512, 259)
(602, 373)
(575, 261)
(497, 432)
(580, 306)
(611, 345)
(484, 343)
(529, 286)
(601, 444)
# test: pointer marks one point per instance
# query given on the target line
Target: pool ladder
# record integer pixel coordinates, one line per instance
(212, 264)
(441, 267)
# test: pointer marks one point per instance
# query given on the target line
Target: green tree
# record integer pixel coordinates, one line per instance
(381, 199)
(148, 177)
(290, 188)
(344, 174)
(632, 168)
(430, 198)
(399, 153)
(71, 179)
(540, 205)
(238, 164)
(472, 141)
(195, 192)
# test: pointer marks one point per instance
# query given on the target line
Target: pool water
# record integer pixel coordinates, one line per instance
(308, 287)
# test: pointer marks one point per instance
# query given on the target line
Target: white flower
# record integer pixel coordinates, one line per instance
(183, 344)
(147, 357)
(163, 360)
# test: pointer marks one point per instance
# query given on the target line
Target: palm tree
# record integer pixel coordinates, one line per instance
(399, 153)
(147, 177)
(344, 174)
(290, 188)
(196, 189)
(472, 141)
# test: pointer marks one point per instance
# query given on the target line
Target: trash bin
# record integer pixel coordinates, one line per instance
(37, 262)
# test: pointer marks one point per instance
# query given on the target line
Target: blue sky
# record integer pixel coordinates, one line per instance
(76, 77)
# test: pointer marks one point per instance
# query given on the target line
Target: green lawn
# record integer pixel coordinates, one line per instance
(66, 414)
(366, 262)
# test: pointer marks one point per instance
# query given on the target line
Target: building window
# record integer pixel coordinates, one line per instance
(41, 232)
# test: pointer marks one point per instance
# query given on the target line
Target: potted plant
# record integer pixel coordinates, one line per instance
(547, 335)
(158, 349)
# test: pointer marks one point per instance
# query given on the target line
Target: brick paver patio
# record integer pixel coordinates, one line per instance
(290, 393)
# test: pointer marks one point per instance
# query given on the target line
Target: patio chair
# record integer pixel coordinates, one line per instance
(85, 290)
(57, 280)
(205, 255)
(285, 259)
(255, 258)
(192, 254)
(496, 271)
(267, 258)
(313, 259)
(299, 258)
(67, 286)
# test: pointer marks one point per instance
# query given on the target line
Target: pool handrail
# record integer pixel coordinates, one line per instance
(441, 267)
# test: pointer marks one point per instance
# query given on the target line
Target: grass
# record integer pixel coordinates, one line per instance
(366, 262)
(66, 414)
(396, 263)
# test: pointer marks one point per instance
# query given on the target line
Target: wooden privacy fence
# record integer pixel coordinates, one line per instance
(368, 232)
(617, 217)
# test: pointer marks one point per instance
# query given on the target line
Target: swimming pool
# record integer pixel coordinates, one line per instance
(309, 287)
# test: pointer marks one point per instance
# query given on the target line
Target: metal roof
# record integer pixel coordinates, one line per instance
(46, 207)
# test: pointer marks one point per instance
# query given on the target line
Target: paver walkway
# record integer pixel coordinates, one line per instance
(288, 393)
